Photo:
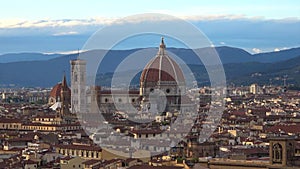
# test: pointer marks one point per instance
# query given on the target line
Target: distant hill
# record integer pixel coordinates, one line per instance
(240, 66)
(227, 55)
(18, 57)
(236, 55)
(277, 56)
(35, 73)
(265, 73)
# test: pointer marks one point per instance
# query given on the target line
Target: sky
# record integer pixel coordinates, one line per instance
(83, 9)
(62, 26)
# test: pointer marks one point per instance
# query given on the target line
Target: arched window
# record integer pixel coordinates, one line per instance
(277, 153)
(290, 151)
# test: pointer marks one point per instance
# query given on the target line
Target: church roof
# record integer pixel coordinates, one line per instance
(56, 90)
(162, 68)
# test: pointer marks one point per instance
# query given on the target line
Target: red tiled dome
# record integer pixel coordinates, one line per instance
(162, 68)
(56, 90)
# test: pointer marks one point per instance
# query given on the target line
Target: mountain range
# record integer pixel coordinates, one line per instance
(19, 57)
(241, 67)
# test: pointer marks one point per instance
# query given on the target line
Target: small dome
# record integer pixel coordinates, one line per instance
(162, 68)
(56, 90)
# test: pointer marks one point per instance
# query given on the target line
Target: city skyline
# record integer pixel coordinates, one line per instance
(149, 84)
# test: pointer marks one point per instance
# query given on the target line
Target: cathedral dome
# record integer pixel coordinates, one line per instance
(162, 68)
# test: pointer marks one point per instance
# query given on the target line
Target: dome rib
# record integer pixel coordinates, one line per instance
(161, 68)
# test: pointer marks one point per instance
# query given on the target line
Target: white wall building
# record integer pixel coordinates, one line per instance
(78, 86)
(254, 89)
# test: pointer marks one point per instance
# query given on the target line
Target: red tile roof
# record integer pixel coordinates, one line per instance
(152, 167)
(287, 128)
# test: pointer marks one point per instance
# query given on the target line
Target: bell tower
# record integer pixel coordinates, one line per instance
(78, 86)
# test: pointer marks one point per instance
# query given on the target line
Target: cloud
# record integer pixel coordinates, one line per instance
(212, 17)
(65, 33)
(66, 52)
(17, 23)
(253, 34)
(276, 50)
(52, 23)
(280, 49)
(256, 50)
